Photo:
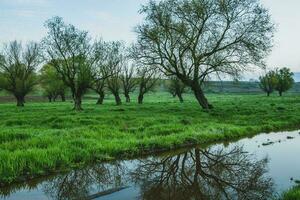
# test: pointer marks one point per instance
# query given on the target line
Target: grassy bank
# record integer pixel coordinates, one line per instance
(43, 137)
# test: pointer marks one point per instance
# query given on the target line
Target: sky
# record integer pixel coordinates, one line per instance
(115, 20)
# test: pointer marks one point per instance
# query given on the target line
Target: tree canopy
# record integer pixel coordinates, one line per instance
(18, 69)
(73, 55)
(194, 39)
(285, 80)
(268, 82)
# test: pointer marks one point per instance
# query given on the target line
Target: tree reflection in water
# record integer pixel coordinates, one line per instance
(204, 174)
(211, 174)
(87, 183)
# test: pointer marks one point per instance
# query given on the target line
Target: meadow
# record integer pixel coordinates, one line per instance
(43, 138)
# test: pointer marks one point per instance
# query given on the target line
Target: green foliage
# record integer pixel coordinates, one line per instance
(51, 82)
(43, 137)
(285, 80)
(268, 82)
(70, 51)
(17, 69)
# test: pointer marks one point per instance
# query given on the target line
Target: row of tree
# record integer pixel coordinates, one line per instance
(19, 74)
(115, 74)
(189, 40)
(121, 79)
(280, 80)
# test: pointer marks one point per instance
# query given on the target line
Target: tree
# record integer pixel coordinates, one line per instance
(73, 56)
(147, 79)
(52, 83)
(129, 82)
(115, 59)
(99, 88)
(17, 69)
(102, 70)
(194, 40)
(176, 88)
(285, 80)
(268, 82)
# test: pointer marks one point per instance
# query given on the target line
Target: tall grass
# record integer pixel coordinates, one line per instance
(45, 137)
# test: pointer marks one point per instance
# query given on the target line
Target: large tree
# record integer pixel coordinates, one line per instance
(73, 55)
(17, 69)
(268, 82)
(285, 80)
(52, 83)
(197, 39)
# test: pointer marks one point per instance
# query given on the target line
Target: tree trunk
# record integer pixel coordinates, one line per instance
(280, 93)
(268, 94)
(127, 98)
(201, 97)
(63, 97)
(20, 101)
(180, 97)
(140, 98)
(77, 103)
(50, 99)
(118, 99)
(101, 98)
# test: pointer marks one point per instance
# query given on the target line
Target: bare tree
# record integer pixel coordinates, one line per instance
(129, 82)
(147, 78)
(73, 56)
(115, 58)
(102, 70)
(17, 69)
(194, 40)
(176, 88)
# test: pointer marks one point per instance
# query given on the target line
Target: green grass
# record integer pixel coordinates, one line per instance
(42, 138)
(292, 194)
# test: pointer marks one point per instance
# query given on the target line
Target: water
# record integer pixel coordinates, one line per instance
(246, 169)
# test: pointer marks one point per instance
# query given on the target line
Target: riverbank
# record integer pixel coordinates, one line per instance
(43, 138)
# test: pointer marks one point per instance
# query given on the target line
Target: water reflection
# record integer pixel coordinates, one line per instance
(204, 174)
(88, 183)
(215, 173)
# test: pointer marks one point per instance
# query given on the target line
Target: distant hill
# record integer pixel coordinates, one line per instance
(297, 76)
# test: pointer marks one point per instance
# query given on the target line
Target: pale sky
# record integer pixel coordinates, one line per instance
(115, 20)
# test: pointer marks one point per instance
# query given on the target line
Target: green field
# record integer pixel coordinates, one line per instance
(43, 138)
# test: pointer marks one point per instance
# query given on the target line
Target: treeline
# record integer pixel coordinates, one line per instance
(75, 65)
(186, 41)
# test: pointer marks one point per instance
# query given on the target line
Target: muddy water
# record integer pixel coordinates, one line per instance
(252, 168)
